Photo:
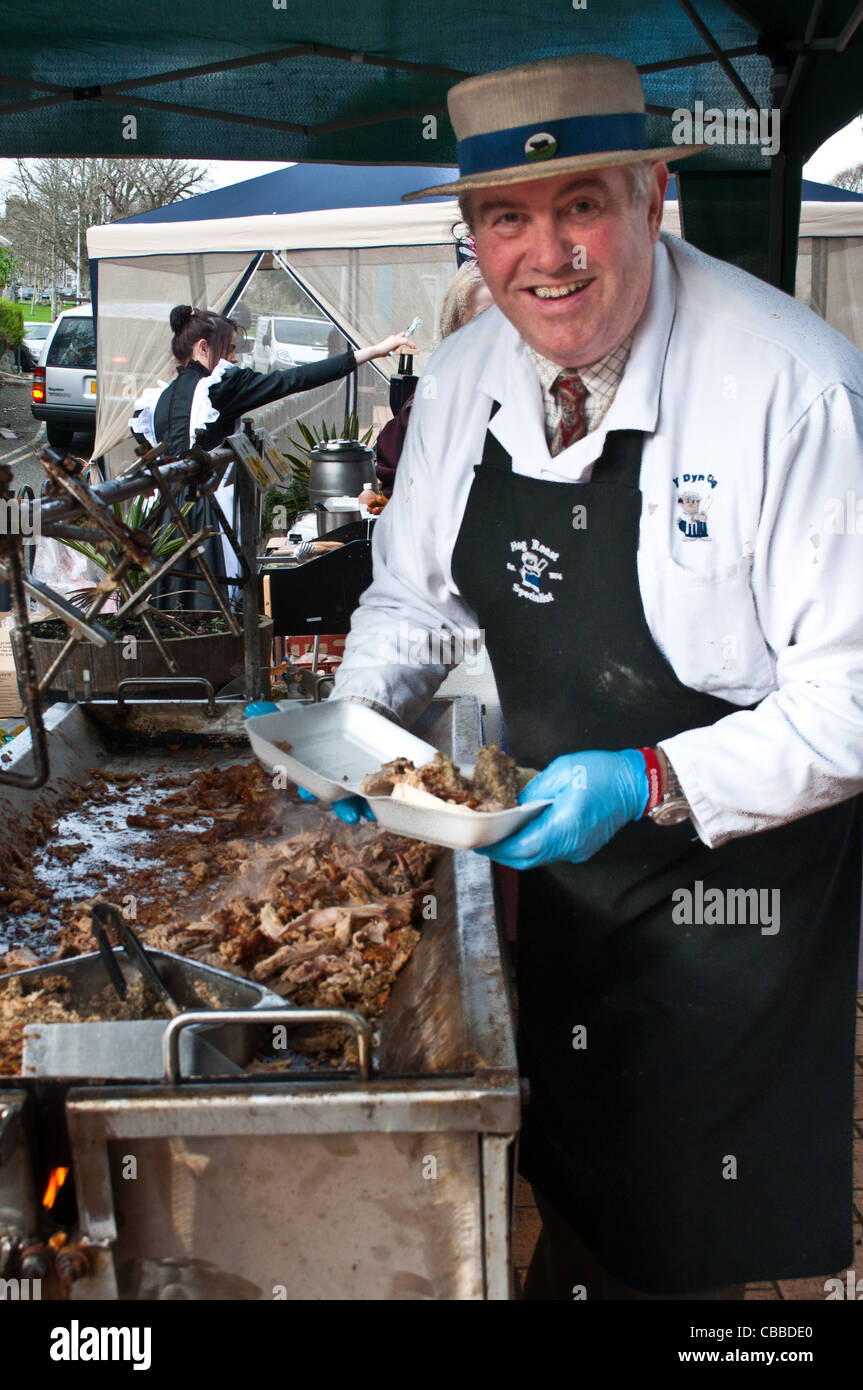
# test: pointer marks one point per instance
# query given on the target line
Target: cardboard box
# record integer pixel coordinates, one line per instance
(332, 649)
(10, 700)
(331, 644)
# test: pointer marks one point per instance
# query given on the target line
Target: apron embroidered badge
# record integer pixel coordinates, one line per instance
(532, 570)
(692, 522)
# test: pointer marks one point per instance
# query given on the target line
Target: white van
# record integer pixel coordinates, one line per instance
(64, 382)
(287, 340)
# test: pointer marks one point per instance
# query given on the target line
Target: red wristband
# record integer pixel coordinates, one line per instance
(654, 779)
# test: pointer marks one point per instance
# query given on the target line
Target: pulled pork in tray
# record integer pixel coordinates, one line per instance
(221, 869)
(493, 786)
(324, 918)
(51, 999)
(54, 999)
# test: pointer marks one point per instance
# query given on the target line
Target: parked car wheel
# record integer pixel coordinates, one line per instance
(58, 438)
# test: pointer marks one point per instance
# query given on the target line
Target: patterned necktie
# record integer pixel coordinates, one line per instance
(570, 393)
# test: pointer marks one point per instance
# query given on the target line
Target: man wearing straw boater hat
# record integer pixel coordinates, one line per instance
(623, 473)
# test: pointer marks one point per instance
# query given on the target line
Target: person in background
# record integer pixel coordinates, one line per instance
(210, 393)
(466, 297)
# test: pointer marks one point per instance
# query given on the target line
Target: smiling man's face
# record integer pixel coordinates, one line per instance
(526, 238)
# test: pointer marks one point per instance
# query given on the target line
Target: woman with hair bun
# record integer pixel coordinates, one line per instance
(211, 393)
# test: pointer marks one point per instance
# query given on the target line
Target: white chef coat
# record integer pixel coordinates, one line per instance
(749, 400)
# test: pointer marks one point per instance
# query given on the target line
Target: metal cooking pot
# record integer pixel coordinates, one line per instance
(338, 468)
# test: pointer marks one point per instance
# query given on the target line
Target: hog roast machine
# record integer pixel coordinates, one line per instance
(392, 1180)
(68, 501)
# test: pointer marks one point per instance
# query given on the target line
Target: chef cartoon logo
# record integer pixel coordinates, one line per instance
(531, 560)
(694, 505)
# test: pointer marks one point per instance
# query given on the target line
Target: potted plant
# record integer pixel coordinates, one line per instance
(283, 504)
(199, 641)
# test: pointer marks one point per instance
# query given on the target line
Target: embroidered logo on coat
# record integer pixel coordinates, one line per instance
(694, 506)
(530, 562)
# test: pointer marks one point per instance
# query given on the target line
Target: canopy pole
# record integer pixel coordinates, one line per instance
(242, 284)
(716, 50)
(850, 29)
(801, 58)
(786, 178)
(248, 501)
(668, 64)
(777, 209)
(742, 13)
(327, 315)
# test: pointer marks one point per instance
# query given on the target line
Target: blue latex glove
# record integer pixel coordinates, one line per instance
(594, 794)
(256, 707)
(350, 809)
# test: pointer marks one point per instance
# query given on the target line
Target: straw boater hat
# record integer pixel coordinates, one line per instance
(542, 119)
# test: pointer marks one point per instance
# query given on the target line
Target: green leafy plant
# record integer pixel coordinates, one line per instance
(295, 497)
(11, 324)
(9, 264)
(140, 515)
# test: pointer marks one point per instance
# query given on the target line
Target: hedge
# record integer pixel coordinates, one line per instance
(11, 324)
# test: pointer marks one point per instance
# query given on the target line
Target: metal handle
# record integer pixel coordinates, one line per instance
(348, 1017)
(168, 680)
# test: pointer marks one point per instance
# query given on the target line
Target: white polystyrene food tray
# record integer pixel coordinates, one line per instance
(335, 744)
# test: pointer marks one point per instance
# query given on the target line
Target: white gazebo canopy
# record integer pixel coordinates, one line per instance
(370, 265)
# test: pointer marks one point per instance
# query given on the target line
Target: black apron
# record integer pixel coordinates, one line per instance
(703, 1135)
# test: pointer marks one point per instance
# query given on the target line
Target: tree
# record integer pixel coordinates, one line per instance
(131, 186)
(8, 266)
(52, 202)
(851, 178)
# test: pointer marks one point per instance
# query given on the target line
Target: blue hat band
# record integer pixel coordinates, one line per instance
(538, 144)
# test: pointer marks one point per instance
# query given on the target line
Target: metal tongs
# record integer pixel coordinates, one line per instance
(104, 915)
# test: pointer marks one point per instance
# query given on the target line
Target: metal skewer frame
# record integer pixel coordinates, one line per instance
(73, 500)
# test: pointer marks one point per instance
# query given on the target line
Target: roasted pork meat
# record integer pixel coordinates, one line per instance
(324, 918)
(491, 788)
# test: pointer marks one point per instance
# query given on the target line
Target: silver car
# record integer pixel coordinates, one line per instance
(290, 340)
(64, 382)
(33, 343)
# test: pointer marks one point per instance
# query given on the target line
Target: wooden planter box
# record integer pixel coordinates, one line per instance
(216, 656)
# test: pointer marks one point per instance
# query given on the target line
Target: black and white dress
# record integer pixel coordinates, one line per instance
(214, 402)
